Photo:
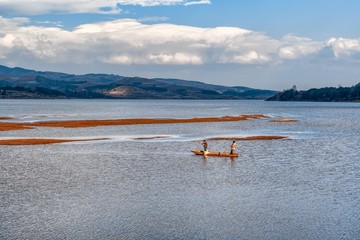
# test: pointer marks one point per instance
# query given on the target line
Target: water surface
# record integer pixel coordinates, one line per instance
(303, 188)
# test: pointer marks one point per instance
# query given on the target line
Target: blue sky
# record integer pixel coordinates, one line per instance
(270, 44)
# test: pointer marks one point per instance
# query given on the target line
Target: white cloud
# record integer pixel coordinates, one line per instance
(251, 57)
(7, 24)
(36, 7)
(119, 59)
(197, 2)
(294, 47)
(50, 23)
(153, 19)
(344, 47)
(127, 41)
(148, 3)
(175, 44)
(175, 58)
(65, 6)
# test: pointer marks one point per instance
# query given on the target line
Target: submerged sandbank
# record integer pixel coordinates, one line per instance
(250, 138)
(134, 121)
(150, 138)
(5, 118)
(284, 120)
(41, 141)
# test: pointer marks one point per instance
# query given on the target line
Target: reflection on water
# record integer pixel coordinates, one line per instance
(304, 188)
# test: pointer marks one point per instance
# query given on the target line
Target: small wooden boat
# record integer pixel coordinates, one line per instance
(215, 154)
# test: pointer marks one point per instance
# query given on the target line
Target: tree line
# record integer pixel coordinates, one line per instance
(326, 94)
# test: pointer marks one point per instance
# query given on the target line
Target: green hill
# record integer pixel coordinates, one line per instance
(327, 94)
(24, 83)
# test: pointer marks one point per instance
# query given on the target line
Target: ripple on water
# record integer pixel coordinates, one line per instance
(305, 188)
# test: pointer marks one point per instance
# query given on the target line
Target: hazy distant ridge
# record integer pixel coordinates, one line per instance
(24, 83)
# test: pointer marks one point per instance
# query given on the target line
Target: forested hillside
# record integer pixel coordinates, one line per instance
(327, 94)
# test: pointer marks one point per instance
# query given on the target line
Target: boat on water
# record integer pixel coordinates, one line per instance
(215, 154)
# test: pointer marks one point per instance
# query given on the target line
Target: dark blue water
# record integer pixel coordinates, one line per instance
(307, 187)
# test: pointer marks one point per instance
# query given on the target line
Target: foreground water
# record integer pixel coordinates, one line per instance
(121, 188)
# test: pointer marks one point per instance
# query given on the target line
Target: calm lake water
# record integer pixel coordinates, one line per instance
(307, 187)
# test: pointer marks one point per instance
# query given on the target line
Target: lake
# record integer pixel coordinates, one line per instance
(135, 186)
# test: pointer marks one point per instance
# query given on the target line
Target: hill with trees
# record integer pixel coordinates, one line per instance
(327, 94)
(23, 83)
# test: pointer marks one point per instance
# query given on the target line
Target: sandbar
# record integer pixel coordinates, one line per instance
(133, 121)
(138, 121)
(250, 138)
(5, 118)
(284, 120)
(150, 138)
(41, 141)
(10, 126)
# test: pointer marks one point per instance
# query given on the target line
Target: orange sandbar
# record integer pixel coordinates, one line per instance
(110, 122)
(9, 126)
(135, 121)
(284, 120)
(38, 141)
(250, 138)
(4, 118)
(150, 138)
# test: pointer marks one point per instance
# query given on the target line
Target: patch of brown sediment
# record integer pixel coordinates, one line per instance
(150, 138)
(256, 116)
(135, 121)
(8, 126)
(284, 120)
(250, 138)
(4, 118)
(138, 121)
(41, 141)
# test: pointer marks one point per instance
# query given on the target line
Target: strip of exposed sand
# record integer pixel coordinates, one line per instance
(5, 118)
(10, 126)
(134, 121)
(41, 141)
(284, 120)
(151, 138)
(250, 138)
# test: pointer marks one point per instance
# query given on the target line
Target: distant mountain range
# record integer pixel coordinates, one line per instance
(22, 83)
(327, 94)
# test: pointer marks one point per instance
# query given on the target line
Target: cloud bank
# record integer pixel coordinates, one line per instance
(127, 41)
(148, 3)
(36, 7)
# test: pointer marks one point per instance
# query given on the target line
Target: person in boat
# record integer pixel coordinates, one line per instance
(233, 147)
(205, 145)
